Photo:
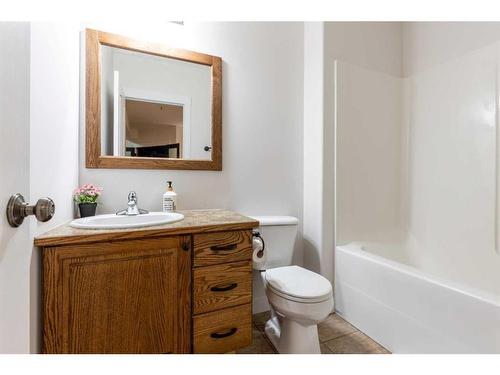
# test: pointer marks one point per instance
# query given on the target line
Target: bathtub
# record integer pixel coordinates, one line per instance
(408, 311)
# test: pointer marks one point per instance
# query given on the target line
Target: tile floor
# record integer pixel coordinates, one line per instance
(336, 336)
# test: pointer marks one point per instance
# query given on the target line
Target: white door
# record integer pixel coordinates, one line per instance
(39, 101)
(118, 117)
(15, 248)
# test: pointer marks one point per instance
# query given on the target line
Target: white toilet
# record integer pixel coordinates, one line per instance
(299, 298)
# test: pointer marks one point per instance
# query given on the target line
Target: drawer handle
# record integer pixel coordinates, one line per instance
(224, 247)
(218, 288)
(230, 332)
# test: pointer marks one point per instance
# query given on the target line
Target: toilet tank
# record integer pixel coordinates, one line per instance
(279, 234)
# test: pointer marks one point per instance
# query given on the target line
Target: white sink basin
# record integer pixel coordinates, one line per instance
(114, 221)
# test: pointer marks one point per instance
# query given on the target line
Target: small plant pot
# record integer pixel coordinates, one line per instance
(87, 209)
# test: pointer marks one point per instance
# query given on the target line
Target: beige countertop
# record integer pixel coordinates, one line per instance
(195, 221)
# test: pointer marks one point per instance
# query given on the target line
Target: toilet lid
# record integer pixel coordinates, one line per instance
(299, 283)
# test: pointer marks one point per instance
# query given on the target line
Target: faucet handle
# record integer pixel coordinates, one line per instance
(132, 196)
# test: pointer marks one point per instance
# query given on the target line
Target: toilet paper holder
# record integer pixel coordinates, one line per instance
(256, 235)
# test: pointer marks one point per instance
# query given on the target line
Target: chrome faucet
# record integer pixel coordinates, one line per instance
(132, 208)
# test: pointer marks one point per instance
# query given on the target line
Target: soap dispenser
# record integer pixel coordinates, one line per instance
(169, 198)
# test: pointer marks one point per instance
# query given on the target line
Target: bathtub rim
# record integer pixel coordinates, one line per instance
(356, 248)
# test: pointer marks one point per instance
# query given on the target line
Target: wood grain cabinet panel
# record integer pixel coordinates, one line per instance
(118, 297)
(221, 286)
(222, 247)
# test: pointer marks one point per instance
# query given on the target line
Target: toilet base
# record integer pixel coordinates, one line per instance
(291, 337)
(273, 331)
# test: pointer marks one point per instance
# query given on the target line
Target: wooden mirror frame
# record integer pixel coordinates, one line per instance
(93, 158)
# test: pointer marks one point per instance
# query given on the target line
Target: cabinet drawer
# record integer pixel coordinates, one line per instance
(222, 247)
(223, 331)
(221, 286)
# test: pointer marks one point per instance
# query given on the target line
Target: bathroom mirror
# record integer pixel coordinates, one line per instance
(149, 106)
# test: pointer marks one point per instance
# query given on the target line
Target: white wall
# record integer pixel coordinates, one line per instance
(54, 99)
(262, 117)
(15, 247)
(316, 251)
(427, 44)
(262, 123)
(371, 45)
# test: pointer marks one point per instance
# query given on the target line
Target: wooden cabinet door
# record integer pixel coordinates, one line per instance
(118, 297)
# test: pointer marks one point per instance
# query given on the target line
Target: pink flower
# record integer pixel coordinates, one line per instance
(89, 190)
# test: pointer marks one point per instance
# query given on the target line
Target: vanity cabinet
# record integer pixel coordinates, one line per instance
(118, 297)
(171, 289)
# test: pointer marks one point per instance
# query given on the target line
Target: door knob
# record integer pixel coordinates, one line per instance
(18, 209)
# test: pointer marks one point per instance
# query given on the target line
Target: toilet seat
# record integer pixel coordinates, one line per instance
(298, 284)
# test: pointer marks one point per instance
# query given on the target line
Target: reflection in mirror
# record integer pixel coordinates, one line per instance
(153, 106)
(153, 129)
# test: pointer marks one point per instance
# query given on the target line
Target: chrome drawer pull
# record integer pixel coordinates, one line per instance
(224, 247)
(218, 288)
(230, 332)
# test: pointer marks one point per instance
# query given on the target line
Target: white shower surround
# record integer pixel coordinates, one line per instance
(428, 280)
